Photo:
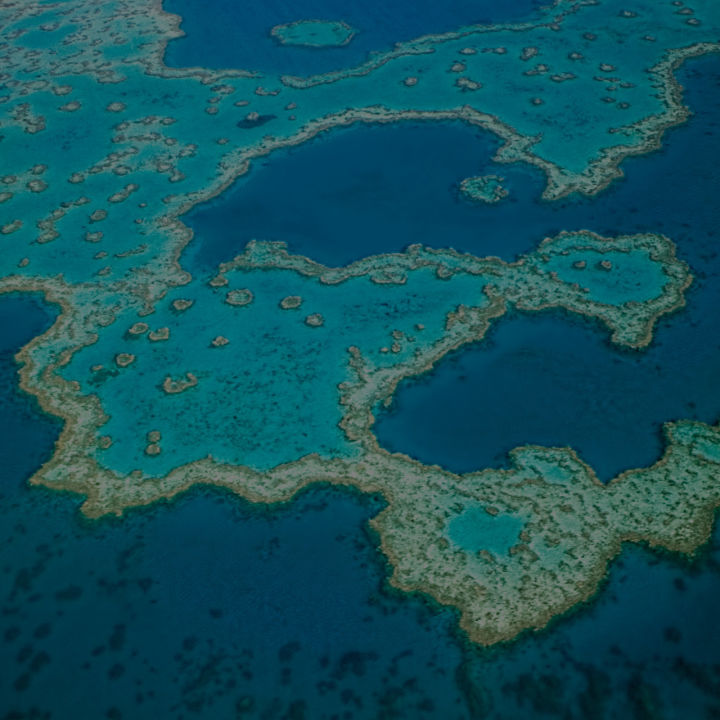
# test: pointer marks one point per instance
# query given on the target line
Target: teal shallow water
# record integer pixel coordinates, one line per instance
(475, 529)
(639, 279)
(256, 403)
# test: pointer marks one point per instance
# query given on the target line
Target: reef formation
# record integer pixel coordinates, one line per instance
(255, 379)
(484, 188)
(314, 33)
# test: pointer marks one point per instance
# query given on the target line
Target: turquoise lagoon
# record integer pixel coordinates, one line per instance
(475, 529)
(640, 278)
(284, 390)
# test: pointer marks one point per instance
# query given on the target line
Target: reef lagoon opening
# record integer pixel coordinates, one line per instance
(548, 380)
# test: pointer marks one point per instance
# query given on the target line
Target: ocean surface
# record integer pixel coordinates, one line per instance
(237, 35)
(210, 607)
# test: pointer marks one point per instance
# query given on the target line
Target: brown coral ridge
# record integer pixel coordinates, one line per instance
(174, 386)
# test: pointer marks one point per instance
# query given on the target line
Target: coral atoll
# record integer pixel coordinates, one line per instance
(314, 33)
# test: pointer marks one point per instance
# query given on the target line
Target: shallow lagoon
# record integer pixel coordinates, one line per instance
(475, 530)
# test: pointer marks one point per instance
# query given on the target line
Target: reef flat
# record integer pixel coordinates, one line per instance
(484, 188)
(314, 33)
(265, 377)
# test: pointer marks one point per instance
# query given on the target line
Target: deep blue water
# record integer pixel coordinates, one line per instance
(361, 191)
(236, 34)
(208, 607)
(26, 436)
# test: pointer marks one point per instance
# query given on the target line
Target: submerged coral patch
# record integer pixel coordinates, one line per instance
(314, 33)
(484, 188)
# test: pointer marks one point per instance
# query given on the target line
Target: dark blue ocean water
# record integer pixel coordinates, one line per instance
(366, 190)
(245, 40)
